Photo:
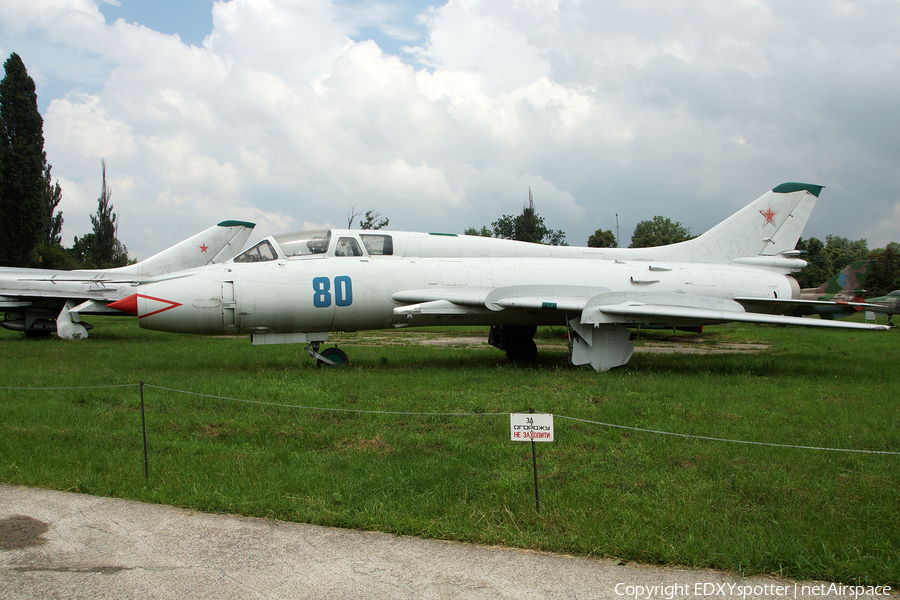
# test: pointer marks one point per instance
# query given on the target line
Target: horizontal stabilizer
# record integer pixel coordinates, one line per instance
(785, 302)
(667, 315)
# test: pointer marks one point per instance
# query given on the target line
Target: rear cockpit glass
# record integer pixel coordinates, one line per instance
(378, 245)
(347, 246)
(303, 243)
(261, 252)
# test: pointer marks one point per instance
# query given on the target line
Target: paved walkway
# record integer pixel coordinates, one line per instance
(64, 545)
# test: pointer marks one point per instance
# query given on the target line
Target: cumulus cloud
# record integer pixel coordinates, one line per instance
(686, 110)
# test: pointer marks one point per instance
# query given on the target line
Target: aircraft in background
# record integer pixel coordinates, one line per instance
(40, 301)
(297, 287)
(842, 293)
(889, 305)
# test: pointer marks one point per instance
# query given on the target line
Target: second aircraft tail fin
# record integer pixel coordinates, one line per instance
(216, 244)
(848, 282)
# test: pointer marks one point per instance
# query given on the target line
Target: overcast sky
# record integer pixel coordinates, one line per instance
(441, 116)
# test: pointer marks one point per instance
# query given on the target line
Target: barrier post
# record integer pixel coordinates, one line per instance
(144, 430)
(537, 502)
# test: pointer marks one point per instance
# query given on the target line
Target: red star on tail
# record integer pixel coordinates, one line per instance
(769, 214)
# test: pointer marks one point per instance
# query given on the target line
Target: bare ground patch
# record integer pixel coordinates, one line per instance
(696, 345)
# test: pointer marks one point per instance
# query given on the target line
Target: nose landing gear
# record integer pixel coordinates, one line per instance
(329, 357)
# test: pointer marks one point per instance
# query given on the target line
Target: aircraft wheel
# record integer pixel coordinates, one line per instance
(334, 354)
(522, 350)
(37, 335)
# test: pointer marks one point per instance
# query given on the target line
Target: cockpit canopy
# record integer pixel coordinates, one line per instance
(317, 242)
(303, 243)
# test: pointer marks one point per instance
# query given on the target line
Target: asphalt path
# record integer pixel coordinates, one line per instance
(66, 545)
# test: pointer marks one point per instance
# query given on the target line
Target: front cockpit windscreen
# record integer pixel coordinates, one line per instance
(261, 252)
(303, 243)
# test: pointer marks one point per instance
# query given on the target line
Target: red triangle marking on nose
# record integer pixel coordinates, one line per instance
(130, 305)
(126, 305)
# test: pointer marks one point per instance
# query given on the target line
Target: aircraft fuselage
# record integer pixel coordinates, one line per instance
(324, 294)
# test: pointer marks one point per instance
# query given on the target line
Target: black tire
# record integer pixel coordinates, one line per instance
(522, 351)
(338, 356)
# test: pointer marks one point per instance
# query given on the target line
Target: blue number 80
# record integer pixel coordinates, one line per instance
(343, 291)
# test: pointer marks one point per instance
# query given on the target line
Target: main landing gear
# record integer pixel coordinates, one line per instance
(329, 357)
(516, 340)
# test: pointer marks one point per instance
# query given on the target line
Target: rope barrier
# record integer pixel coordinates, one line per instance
(469, 414)
(350, 410)
(714, 439)
(86, 387)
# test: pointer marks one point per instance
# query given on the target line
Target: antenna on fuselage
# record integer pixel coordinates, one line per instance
(617, 230)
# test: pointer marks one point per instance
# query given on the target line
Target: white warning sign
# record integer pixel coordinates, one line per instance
(531, 427)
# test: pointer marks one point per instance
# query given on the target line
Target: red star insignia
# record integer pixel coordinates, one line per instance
(769, 214)
(204, 248)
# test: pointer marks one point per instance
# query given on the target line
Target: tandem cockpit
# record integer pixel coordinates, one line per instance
(319, 243)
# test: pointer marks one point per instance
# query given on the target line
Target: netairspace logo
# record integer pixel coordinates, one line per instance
(737, 590)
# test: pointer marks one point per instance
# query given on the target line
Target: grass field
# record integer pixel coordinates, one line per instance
(612, 492)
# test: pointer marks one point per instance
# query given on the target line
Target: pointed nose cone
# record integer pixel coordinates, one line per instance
(141, 305)
(126, 305)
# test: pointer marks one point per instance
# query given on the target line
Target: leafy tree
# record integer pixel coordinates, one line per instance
(602, 238)
(371, 221)
(54, 256)
(483, 232)
(659, 231)
(826, 259)
(885, 275)
(82, 252)
(23, 213)
(821, 265)
(527, 227)
(844, 251)
(102, 249)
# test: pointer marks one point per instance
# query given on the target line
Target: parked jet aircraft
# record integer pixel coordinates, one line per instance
(44, 300)
(889, 305)
(843, 292)
(297, 287)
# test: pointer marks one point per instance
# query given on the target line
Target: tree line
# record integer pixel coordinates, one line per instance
(30, 223)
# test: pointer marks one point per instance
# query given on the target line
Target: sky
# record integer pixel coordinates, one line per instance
(443, 115)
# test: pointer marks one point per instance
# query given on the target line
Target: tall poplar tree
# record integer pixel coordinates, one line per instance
(101, 249)
(23, 208)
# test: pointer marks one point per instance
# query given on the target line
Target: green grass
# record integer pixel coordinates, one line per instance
(604, 491)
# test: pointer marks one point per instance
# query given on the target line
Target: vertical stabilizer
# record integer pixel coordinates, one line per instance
(768, 226)
(214, 245)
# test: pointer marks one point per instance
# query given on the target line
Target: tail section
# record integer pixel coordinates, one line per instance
(214, 245)
(768, 226)
(763, 232)
(845, 285)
